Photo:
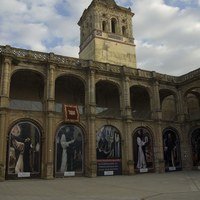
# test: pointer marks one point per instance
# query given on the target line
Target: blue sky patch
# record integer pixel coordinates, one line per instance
(182, 4)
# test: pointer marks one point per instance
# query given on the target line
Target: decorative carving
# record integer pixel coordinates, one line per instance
(68, 61)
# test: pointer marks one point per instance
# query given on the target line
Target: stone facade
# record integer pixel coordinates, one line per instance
(106, 34)
(122, 110)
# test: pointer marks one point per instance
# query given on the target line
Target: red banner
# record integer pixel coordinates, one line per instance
(71, 113)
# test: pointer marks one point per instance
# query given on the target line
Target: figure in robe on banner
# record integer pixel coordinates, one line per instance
(141, 142)
(66, 141)
(102, 144)
(19, 146)
(170, 150)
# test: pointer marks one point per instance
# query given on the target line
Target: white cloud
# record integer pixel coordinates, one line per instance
(166, 31)
(167, 37)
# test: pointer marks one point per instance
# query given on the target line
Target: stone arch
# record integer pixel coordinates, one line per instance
(195, 147)
(168, 103)
(104, 26)
(69, 150)
(171, 149)
(108, 151)
(113, 25)
(24, 149)
(69, 90)
(27, 90)
(192, 100)
(140, 102)
(143, 154)
(107, 98)
(124, 33)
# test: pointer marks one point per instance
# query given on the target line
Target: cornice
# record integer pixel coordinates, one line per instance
(139, 74)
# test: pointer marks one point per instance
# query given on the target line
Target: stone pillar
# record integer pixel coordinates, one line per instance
(180, 106)
(126, 97)
(49, 150)
(50, 87)
(5, 80)
(4, 103)
(49, 125)
(127, 151)
(91, 170)
(3, 144)
(158, 149)
(186, 154)
(155, 104)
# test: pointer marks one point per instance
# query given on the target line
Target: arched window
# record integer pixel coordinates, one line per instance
(104, 27)
(123, 30)
(113, 25)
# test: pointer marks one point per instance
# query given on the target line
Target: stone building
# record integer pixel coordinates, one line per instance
(96, 115)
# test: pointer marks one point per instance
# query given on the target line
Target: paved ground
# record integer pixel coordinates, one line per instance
(167, 186)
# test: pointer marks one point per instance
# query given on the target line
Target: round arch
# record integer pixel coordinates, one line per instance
(171, 149)
(114, 25)
(168, 104)
(24, 149)
(27, 90)
(192, 103)
(73, 75)
(108, 151)
(195, 147)
(31, 70)
(143, 149)
(111, 82)
(140, 102)
(69, 150)
(108, 98)
(69, 90)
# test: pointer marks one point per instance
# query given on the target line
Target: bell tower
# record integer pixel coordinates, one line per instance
(106, 34)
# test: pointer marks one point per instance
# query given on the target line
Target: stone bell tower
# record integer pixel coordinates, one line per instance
(106, 34)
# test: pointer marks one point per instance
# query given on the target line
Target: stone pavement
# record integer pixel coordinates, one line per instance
(167, 186)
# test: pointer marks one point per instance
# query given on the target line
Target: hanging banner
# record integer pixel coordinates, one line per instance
(71, 113)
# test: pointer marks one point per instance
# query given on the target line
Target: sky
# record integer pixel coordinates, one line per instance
(166, 32)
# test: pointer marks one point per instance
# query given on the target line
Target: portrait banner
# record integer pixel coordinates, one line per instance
(108, 151)
(24, 150)
(195, 141)
(143, 150)
(171, 149)
(69, 151)
(71, 113)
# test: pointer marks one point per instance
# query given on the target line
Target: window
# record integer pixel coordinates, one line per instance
(113, 25)
(123, 30)
(104, 26)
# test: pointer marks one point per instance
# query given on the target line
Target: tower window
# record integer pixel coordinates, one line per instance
(104, 26)
(123, 30)
(113, 25)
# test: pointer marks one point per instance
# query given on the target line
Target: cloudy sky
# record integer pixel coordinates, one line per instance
(166, 32)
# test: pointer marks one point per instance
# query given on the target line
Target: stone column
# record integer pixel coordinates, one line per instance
(180, 106)
(158, 149)
(3, 142)
(49, 160)
(155, 104)
(49, 124)
(50, 87)
(4, 103)
(126, 97)
(127, 151)
(5, 86)
(91, 142)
